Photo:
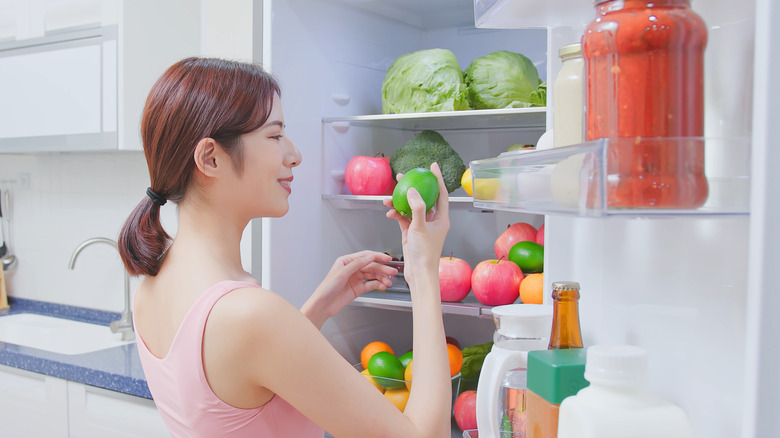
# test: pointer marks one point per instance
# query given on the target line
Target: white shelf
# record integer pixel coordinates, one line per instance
(513, 118)
(352, 202)
(469, 306)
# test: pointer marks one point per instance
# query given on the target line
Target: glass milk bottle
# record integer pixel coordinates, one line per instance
(567, 98)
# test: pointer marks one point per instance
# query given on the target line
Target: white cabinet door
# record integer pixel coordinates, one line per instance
(32, 404)
(100, 413)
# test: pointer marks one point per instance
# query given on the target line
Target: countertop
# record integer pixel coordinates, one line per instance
(118, 368)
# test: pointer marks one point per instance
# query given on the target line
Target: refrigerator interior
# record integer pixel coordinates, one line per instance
(674, 285)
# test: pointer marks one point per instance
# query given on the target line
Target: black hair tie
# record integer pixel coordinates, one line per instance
(157, 199)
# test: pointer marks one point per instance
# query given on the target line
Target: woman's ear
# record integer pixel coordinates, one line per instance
(206, 156)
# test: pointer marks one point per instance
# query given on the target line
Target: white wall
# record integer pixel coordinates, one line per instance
(70, 198)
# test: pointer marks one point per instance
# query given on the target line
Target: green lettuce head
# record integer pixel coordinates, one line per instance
(503, 79)
(424, 81)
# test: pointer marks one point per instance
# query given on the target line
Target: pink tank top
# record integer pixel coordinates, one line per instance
(185, 400)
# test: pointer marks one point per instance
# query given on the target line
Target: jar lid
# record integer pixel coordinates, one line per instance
(529, 321)
(556, 374)
(617, 365)
(570, 50)
(565, 285)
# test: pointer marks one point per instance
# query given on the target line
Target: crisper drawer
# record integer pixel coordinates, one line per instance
(59, 93)
(636, 176)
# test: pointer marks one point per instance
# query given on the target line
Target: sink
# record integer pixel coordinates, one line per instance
(57, 335)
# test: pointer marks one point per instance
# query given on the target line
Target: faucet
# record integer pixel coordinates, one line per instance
(124, 324)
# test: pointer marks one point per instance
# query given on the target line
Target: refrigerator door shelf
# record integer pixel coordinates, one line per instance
(574, 180)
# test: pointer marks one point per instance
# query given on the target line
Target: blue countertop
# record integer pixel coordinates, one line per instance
(117, 368)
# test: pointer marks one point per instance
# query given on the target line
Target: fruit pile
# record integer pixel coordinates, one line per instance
(392, 375)
(517, 270)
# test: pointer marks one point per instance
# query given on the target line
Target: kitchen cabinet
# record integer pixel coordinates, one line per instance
(79, 83)
(96, 413)
(71, 409)
(26, 398)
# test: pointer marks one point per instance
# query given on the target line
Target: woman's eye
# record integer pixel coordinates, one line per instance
(277, 137)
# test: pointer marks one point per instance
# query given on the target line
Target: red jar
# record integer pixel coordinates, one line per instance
(644, 67)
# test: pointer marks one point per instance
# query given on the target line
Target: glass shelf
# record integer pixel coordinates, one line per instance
(403, 301)
(511, 118)
(351, 202)
(581, 180)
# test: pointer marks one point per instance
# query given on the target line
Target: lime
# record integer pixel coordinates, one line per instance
(385, 364)
(426, 184)
(405, 358)
(529, 256)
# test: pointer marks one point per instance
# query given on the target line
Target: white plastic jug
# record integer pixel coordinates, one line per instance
(616, 405)
(520, 328)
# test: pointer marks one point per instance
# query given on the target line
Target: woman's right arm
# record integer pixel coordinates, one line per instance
(423, 239)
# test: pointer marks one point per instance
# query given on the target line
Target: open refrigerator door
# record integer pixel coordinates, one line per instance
(687, 286)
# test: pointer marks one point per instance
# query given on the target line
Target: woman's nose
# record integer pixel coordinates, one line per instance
(294, 157)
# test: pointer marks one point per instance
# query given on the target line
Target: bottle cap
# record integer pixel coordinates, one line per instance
(565, 285)
(616, 364)
(528, 321)
(570, 50)
(556, 374)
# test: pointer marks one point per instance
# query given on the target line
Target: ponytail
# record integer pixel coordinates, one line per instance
(142, 240)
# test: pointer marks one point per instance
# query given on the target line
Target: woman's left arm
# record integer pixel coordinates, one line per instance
(350, 276)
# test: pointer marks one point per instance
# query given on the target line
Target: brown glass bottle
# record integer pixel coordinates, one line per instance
(566, 316)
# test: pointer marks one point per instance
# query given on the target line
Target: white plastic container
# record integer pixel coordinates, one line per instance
(616, 405)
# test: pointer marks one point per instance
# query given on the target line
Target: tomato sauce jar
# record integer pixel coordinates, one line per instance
(644, 90)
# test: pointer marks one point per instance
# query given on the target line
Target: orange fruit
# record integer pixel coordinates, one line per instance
(371, 379)
(371, 349)
(456, 359)
(408, 374)
(531, 289)
(387, 370)
(399, 397)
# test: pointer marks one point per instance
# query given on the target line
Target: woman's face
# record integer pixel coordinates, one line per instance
(269, 157)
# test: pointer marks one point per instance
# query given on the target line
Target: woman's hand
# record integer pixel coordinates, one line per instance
(423, 235)
(350, 276)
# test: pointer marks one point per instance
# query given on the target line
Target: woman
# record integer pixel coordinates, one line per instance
(222, 356)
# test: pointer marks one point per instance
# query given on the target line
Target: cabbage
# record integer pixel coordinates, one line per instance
(424, 81)
(503, 79)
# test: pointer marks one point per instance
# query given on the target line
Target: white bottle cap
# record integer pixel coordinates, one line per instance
(527, 321)
(616, 365)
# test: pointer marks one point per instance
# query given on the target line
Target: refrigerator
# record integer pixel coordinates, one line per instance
(691, 287)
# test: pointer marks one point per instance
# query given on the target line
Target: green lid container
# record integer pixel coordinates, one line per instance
(556, 374)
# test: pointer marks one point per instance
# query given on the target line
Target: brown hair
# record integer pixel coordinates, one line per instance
(195, 98)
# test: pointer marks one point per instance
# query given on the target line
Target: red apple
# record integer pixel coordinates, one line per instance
(496, 282)
(453, 341)
(514, 233)
(369, 176)
(454, 278)
(540, 235)
(465, 410)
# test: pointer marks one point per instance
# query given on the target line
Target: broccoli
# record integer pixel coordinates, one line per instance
(426, 148)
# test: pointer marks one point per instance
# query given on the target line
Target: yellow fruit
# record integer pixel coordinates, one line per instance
(486, 188)
(408, 375)
(531, 289)
(465, 181)
(371, 379)
(399, 397)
